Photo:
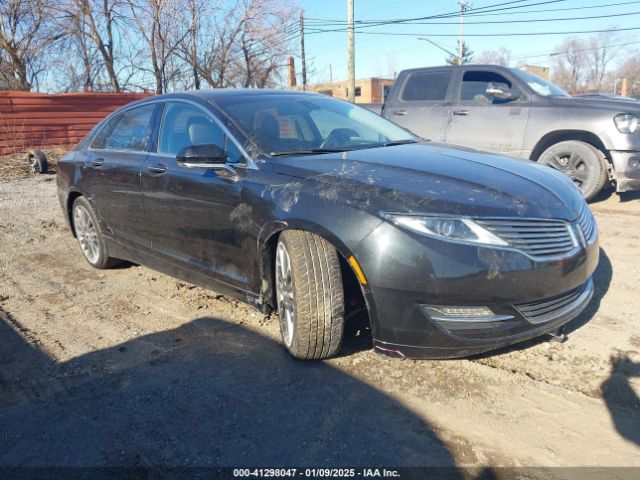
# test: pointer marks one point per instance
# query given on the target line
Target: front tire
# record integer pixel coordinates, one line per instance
(309, 294)
(581, 162)
(90, 238)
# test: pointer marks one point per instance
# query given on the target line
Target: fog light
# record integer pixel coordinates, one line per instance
(444, 313)
(634, 162)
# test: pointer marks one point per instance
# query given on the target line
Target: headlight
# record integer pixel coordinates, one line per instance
(448, 228)
(626, 123)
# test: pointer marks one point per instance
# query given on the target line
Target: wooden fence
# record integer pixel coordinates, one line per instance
(31, 120)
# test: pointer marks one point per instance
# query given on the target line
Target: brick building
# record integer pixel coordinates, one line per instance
(368, 90)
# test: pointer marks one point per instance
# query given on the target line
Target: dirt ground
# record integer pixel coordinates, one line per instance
(130, 367)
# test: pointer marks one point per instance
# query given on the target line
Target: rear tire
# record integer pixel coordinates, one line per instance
(309, 294)
(581, 162)
(37, 162)
(90, 238)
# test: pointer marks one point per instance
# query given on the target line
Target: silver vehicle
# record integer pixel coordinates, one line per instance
(510, 111)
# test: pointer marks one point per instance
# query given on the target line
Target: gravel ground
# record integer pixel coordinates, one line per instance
(130, 367)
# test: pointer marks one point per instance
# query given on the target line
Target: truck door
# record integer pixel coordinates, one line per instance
(421, 104)
(489, 113)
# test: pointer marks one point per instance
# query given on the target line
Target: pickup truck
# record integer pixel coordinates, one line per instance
(513, 112)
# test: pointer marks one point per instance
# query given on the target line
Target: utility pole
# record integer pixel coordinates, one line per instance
(304, 61)
(464, 6)
(351, 48)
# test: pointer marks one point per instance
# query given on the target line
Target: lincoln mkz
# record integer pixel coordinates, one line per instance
(313, 207)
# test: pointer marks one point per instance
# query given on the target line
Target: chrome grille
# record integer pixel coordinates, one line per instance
(538, 238)
(587, 224)
(557, 306)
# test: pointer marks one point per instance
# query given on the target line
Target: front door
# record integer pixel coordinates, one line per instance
(190, 210)
(479, 119)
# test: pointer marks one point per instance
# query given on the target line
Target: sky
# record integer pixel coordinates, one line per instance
(380, 54)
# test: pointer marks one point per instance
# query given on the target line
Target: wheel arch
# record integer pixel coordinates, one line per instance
(71, 198)
(558, 136)
(268, 242)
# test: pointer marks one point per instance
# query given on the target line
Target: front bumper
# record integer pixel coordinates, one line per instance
(626, 166)
(413, 271)
(479, 337)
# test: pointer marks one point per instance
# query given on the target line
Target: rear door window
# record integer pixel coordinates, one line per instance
(131, 130)
(427, 86)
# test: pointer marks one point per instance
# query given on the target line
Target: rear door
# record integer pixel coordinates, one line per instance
(112, 173)
(480, 121)
(421, 105)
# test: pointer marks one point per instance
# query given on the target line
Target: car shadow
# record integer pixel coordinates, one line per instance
(208, 393)
(621, 400)
(608, 192)
(629, 196)
(602, 281)
(603, 195)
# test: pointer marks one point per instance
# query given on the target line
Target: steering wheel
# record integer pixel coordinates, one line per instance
(338, 137)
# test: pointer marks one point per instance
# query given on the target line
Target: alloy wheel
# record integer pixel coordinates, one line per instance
(284, 292)
(86, 233)
(572, 165)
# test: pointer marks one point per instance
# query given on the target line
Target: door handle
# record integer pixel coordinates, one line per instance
(400, 113)
(157, 168)
(97, 162)
(461, 113)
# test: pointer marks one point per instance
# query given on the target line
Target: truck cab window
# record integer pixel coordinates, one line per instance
(485, 88)
(427, 86)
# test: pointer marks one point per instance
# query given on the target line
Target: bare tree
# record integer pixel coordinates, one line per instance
(600, 54)
(93, 26)
(158, 24)
(197, 14)
(570, 64)
(25, 34)
(630, 70)
(502, 56)
(239, 43)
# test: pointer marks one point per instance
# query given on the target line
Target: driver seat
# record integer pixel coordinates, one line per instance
(267, 131)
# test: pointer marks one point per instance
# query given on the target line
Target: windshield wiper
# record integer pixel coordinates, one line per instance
(387, 144)
(310, 151)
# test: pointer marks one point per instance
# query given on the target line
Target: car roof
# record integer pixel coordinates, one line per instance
(464, 66)
(207, 95)
(229, 92)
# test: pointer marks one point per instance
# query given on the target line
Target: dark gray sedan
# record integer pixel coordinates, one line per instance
(315, 207)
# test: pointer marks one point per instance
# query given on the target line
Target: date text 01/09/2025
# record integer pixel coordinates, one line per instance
(315, 472)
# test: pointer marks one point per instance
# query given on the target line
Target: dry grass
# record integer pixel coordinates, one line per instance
(16, 165)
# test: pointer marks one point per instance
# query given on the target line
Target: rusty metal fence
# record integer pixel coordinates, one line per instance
(30, 120)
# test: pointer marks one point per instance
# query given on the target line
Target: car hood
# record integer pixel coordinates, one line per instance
(432, 178)
(599, 103)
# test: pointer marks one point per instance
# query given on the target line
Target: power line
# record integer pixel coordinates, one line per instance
(565, 9)
(471, 11)
(494, 22)
(422, 34)
(523, 56)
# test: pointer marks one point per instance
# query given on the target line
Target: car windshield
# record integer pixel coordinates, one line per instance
(305, 124)
(540, 86)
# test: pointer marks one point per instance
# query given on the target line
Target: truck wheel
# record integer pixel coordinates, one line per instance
(309, 295)
(583, 163)
(89, 235)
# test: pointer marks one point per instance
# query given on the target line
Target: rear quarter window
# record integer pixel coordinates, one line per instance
(426, 86)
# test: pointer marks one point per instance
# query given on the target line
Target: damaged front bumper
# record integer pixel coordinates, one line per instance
(524, 298)
(626, 166)
(515, 325)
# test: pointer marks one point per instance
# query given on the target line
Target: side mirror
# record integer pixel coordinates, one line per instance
(502, 93)
(203, 156)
